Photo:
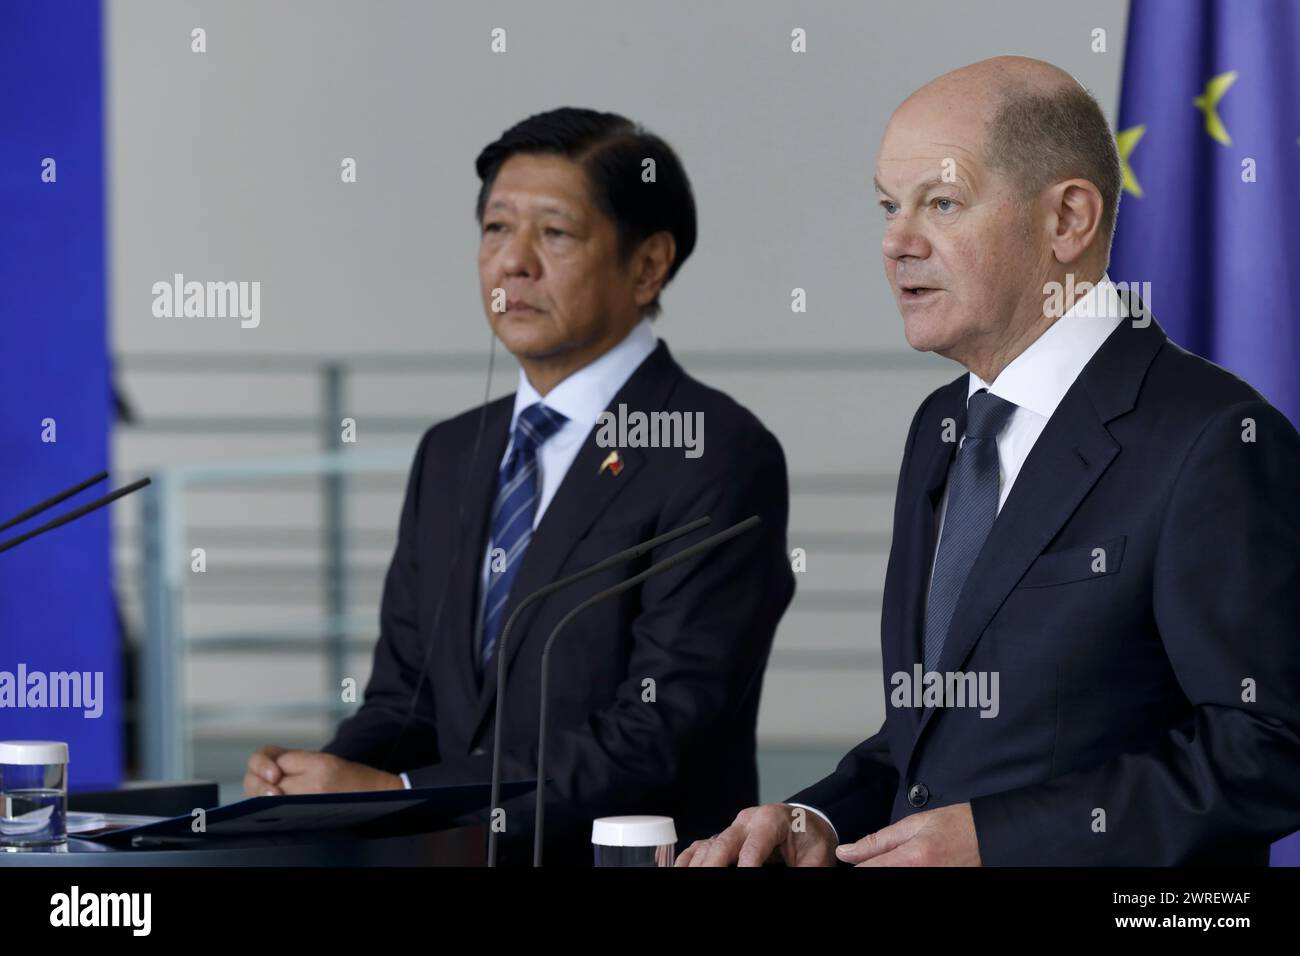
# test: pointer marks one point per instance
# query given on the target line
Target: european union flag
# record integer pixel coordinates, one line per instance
(1209, 141)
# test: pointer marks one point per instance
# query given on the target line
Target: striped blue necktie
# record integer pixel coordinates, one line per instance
(973, 490)
(513, 512)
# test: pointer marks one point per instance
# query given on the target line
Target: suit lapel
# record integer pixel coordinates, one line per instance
(583, 495)
(1073, 451)
(933, 456)
(461, 613)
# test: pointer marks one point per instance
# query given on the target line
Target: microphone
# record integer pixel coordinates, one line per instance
(629, 554)
(684, 555)
(71, 515)
(51, 502)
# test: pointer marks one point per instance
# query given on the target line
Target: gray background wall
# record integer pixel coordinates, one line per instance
(226, 166)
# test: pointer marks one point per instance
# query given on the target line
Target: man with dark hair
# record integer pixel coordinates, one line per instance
(584, 218)
(620, 159)
(1088, 628)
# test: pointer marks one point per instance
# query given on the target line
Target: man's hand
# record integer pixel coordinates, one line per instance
(262, 775)
(942, 837)
(275, 771)
(774, 831)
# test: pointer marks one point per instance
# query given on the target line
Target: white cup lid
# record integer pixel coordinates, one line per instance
(633, 831)
(33, 752)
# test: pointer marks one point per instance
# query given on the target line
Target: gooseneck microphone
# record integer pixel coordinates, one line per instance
(630, 554)
(53, 500)
(71, 515)
(672, 561)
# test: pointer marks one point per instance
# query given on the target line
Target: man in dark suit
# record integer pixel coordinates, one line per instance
(1089, 633)
(654, 694)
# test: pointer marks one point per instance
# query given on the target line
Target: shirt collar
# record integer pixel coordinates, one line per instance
(1039, 377)
(584, 394)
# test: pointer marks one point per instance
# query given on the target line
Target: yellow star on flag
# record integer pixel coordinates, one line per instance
(1126, 141)
(1208, 103)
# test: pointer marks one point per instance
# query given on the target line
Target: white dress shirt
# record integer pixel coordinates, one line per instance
(581, 397)
(1035, 381)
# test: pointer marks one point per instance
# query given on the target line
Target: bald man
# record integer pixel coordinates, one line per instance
(1088, 627)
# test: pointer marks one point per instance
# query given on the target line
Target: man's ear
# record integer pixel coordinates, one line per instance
(651, 262)
(1076, 209)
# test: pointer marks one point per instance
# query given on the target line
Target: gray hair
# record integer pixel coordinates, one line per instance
(1039, 138)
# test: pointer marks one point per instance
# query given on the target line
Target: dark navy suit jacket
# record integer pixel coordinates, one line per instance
(683, 746)
(1150, 711)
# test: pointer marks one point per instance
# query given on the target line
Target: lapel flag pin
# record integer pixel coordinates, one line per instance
(612, 462)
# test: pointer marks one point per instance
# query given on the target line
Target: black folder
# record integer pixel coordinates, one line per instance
(367, 814)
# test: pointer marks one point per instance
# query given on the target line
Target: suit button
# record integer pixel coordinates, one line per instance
(919, 795)
(478, 752)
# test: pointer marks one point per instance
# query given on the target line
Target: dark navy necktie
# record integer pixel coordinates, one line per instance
(973, 488)
(512, 514)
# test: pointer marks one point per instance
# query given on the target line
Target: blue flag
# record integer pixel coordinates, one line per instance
(1209, 141)
(60, 651)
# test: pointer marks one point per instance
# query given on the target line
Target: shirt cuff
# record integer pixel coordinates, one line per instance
(406, 782)
(820, 814)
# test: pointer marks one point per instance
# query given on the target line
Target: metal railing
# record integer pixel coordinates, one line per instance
(166, 737)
